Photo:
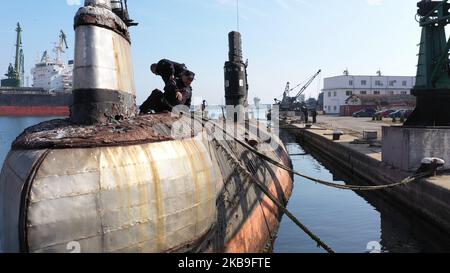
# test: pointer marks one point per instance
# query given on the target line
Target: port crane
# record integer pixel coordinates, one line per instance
(292, 103)
(61, 46)
(432, 88)
(16, 72)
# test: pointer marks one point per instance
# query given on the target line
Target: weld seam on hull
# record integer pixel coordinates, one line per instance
(25, 202)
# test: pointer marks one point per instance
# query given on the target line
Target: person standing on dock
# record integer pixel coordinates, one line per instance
(204, 108)
(314, 116)
(305, 113)
(168, 70)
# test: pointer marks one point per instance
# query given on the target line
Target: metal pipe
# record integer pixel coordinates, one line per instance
(236, 86)
(103, 81)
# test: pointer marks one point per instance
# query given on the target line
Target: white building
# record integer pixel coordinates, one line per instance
(337, 89)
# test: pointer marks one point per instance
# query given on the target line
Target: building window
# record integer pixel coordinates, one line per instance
(404, 83)
(348, 93)
(392, 83)
(376, 92)
(329, 94)
(363, 92)
(390, 92)
(363, 82)
(335, 108)
(335, 93)
(404, 93)
(378, 83)
(350, 83)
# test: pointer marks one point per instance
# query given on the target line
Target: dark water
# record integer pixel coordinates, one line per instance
(349, 222)
(343, 219)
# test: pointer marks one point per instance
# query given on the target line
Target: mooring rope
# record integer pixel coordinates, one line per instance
(244, 171)
(408, 180)
(238, 164)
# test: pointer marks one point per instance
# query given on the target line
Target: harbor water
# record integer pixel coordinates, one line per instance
(347, 221)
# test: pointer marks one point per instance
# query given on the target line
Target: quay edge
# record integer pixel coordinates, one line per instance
(428, 197)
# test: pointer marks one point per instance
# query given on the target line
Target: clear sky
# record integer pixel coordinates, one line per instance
(284, 40)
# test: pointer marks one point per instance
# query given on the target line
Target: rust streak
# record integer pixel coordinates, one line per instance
(117, 62)
(253, 235)
(187, 146)
(159, 220)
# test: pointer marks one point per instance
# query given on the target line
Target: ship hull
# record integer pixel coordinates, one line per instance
(19, 102)
(33, 111)
(153, 194)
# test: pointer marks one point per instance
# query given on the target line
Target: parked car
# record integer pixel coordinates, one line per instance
(396, 114)
(401, 113)
(384, 113)
(365, 113)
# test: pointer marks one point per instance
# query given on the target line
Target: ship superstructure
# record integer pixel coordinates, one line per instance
(51, 93)
(54, 74)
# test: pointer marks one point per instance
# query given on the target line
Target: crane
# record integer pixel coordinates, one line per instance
(61, 46)
(308, 83)
(15, 75)
(291, 103)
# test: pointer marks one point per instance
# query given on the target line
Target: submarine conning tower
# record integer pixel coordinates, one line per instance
(236, 84)
(103, 77)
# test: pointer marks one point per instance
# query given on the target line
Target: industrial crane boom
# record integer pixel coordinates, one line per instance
(308, 83)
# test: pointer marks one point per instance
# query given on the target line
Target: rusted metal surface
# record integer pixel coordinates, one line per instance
(246, 219)
(161, 195)
(101, 16)
(157, 197)
(62, 134)
(100, 106)
(261, 225)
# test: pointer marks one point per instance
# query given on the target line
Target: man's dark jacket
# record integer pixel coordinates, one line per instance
(170, 93)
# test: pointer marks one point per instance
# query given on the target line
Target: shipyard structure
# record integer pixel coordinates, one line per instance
(51, 91)
(346, 94)
(112, 181)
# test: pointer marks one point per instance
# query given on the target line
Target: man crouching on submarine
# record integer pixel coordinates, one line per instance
(177, 91)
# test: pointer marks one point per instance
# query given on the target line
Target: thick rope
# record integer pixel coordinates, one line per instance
(405, 181)
(243, 170)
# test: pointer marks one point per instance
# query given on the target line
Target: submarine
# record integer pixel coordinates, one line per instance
(112, 181)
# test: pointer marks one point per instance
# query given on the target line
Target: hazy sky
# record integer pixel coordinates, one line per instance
(284, 40)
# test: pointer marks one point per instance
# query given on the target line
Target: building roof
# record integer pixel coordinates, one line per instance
(370, 76)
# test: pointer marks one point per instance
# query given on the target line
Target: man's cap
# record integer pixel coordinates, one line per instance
(189, 74)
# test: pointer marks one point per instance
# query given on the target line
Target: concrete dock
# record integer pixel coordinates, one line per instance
(429, 197)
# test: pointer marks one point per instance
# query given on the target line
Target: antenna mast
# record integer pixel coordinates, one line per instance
(237, 14)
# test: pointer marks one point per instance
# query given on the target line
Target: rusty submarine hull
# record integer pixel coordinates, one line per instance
(112, 192)
(110, 181)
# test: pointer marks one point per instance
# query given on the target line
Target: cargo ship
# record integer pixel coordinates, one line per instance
(51, 91)
(108, 180)
(29, 101)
